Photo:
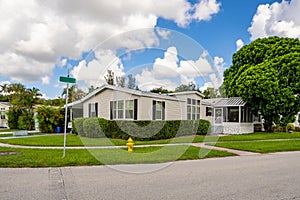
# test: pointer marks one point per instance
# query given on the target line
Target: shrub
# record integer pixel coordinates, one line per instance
(91, 128)
(49, 118)
(139, 130)
(290, 127)
(77, 126)
(203, 127)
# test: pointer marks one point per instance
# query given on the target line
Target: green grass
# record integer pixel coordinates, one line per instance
(260, 136)
(5, 135)
(83, 157)
(7, 130)
(74, 140)
(263, 146)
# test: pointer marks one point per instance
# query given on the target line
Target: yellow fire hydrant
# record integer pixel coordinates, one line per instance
(130, 144)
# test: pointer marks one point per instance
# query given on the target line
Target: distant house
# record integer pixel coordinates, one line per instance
(4, 108)
(111, 102)
(229, 115)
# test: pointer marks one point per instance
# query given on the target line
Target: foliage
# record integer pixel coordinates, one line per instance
(13, 117)
(110, 77)
(139, 130)
(25, 121)
(290, 127)
(49, 118)
(160, 90)
(266, 74)
(131, 82)
(120, 81)
(74, 93)
(190, 87)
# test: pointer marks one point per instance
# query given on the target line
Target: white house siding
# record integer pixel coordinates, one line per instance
(237, 128)
(103, 99)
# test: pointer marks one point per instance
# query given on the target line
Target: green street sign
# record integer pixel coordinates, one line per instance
(67, 79)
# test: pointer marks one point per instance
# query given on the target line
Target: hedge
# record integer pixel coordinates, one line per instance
(138, 130)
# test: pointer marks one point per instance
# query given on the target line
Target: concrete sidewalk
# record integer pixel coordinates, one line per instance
(201, 145)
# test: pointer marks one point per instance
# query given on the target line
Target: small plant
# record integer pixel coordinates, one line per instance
(290, 127)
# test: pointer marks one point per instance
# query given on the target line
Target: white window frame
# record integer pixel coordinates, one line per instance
(3, 115)
(193, 109)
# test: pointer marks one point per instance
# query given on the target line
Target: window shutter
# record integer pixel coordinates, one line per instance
(90, 110)
(153, 109)
(96, 109)
(135, 112)
(111, 109)
(163, 110)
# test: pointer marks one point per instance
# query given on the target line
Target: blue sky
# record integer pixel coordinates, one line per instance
(162, 43)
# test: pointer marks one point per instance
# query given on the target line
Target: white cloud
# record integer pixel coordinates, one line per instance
(239, 44)
(41, 32)
(205, 9)
(93, 73)
(169, 73)
(46, 80)
(166, 66)
(147, 81)
(280, 19)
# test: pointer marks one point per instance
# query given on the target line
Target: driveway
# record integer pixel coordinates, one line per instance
(265, 176)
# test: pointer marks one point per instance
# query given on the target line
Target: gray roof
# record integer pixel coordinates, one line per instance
(185, 93)
(126, 90)
(223, 102)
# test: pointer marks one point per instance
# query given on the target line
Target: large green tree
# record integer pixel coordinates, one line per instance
(266, 74)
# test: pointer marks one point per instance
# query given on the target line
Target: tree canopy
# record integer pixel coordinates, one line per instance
(266, 74)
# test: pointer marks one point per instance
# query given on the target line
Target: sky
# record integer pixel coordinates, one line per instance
(161, 43)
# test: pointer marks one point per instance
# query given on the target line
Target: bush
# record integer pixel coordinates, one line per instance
(290, 127)
(203, 127)
(49, 118)
(139, 130)
(25, 121)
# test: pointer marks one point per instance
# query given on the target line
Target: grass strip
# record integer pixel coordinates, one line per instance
(260, 136)
(263, 146)
(83, 157)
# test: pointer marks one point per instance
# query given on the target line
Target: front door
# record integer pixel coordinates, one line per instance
(218, 115)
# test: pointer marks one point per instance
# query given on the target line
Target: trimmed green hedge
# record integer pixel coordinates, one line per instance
(138, 130)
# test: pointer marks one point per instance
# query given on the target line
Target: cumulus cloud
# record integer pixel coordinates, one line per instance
(280, 19)
(169, 72)
(239, 44)
(93, 73)
(46, 80)
(205, 9)
(38, 33)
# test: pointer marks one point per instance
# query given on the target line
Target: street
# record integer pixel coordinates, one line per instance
(266, 176)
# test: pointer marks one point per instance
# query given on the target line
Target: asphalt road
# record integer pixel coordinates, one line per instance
(269, 176)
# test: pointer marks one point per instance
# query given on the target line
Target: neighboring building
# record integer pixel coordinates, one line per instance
(229, 115)
(4, 108)
(111, 102)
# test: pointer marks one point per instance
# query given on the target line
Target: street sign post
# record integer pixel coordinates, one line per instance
(66, 80)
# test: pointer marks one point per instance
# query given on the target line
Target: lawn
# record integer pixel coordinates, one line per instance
(82, 157)
(74, 140)
(263, 146)
(260, 136)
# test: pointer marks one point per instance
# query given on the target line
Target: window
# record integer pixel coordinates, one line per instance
(124, 109)
(209, 111)
(93, 110)
(233, 114)
(2, 113)
(193, 109)
(129, 109)
(158, 110)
